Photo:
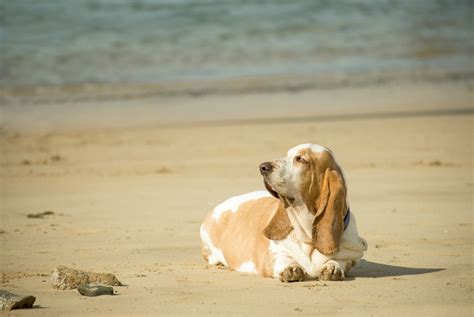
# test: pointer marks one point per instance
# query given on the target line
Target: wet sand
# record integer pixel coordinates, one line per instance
(129, 200)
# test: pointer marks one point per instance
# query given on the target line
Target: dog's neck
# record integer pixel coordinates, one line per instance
(301, 219)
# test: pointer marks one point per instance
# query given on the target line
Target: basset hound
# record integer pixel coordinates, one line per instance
(300, 228)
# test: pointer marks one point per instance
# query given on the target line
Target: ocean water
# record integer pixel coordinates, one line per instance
(58, 42)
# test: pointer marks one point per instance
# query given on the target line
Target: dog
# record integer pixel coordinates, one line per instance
(300, 228)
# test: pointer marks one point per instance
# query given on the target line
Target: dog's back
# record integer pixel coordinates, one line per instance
(232, 233)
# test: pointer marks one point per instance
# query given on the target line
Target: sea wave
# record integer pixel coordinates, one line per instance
(211, 45)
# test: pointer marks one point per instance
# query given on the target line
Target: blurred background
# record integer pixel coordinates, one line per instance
(237, 46)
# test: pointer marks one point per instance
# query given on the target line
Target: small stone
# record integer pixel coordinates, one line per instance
(163, 170)
(95, 290)
(9, 301)
(41, 215)
(56, 158)
(436, 163)
(66, 278)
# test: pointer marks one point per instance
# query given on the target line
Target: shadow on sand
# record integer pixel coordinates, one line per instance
(373, 269)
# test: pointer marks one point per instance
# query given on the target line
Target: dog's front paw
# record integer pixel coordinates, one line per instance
(331, 271)
(293, 273)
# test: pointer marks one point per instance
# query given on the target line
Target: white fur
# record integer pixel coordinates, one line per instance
(314, 147)
(289, 251)
(302, 221)
(232, 204)
(351, 239)
(215, 254)
(292, 250)
(247, 267)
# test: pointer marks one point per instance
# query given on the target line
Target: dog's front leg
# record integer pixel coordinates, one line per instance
(292, 273)
(334, 270)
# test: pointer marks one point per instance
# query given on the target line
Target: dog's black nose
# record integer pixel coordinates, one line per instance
(266, 168)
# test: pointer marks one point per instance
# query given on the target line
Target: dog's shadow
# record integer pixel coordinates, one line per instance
(372, 269)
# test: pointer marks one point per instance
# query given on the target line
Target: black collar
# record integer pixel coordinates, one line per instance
(347, 218)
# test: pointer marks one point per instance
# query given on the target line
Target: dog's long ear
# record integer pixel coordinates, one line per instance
(279, 226)
(329, 223)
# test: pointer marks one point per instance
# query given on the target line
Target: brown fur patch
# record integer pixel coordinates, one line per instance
(279, 226)
(240, 234)
(329, 224)
(323, 190)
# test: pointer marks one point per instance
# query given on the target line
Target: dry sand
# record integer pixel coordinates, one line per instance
(130, 201)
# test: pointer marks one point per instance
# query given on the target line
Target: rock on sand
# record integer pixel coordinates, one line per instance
(66, 278)
(9, 301)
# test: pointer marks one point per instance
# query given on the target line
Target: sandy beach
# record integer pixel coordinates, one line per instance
(129, 199)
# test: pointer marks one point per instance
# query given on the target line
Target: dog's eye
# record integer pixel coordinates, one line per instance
(300, 159)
